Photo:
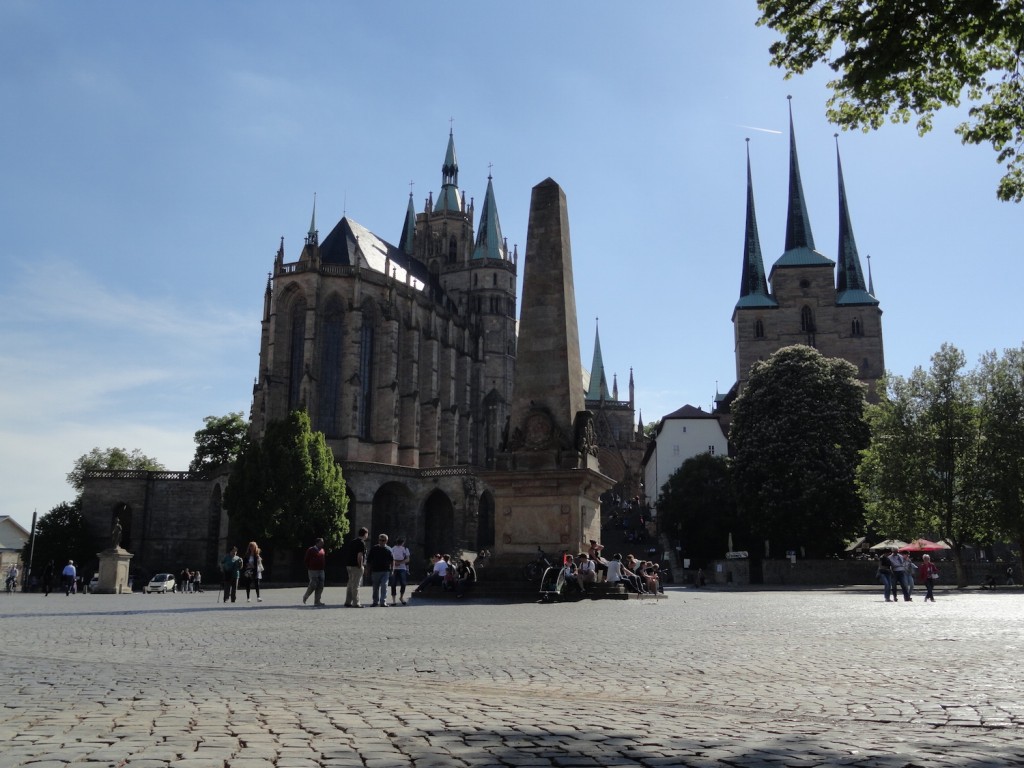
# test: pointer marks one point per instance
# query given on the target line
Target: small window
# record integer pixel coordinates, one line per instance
(711, 450)
(675, 450)
(758, 329)
(494, 279)
(857, 329)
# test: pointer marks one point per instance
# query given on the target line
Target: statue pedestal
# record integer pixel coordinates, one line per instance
(554, 509)
(114, 571)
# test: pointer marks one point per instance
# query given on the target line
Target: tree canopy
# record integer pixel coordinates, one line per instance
(697, 508)
(921, 474)
(220, 442)
(61, 535)
(798, 429)
(109, 458)
(287, 488)
(1001, 392)
(907, 59)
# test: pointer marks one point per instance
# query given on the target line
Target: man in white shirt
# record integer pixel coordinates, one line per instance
(400, 576)
(68, 575)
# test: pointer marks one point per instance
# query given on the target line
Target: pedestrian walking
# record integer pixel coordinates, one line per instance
(929, 572)
(885, 575)
(252, 570)
(353, 555)
(316, 562)
(899, 574)
(382, 563)
(231, 566)
(400, 575)
(48, 578)
(69, 576)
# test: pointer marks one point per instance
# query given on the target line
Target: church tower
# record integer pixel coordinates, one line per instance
(812, 299)
(479, 275)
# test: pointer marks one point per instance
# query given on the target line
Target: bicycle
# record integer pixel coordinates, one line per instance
(534, 569)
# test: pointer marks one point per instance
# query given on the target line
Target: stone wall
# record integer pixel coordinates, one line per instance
(833, 573)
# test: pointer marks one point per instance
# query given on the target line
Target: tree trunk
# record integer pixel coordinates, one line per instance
(958, 561)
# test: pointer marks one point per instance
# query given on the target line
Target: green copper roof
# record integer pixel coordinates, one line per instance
(802, 257)
(798, 223)
(449, 199)
(407, 242)
(489, 242)
(753, 285)
(850, 287)
(598, 389)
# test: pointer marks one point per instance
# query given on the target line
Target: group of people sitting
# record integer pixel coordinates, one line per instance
(443, 573)
(642, 577)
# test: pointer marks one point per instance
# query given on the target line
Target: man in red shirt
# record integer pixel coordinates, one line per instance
(315, 562)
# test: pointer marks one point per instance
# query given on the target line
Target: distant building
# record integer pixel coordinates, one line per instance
(620, 434)
(679, 436)
(813, 300)
(13, 538)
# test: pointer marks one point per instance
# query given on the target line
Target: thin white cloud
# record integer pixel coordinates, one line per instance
(86, 365)
(762, 130)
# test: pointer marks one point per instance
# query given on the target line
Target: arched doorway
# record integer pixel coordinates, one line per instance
(392, 512)
(485, 522)
(438, 524)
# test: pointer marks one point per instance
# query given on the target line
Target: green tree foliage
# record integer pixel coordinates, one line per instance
(287, 488)
(906, 59)
(922, 473)
(109, 458)
(61, 535)
(697, 507)
(220, 442)
(798, 429)
(1001, 384)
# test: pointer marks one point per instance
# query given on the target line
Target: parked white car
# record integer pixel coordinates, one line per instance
(162, 582)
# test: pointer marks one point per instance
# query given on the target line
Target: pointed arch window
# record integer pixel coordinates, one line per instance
(758, 329)
(453, 249)
(330, 371)
(856, 328)
(366, 343)
(806, 320)
(296, 361)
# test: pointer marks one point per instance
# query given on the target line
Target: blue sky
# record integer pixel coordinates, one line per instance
(153, 154)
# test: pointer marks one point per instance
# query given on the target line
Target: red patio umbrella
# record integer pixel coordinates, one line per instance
(924, 545)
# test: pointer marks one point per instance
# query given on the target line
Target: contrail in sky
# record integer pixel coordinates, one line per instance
(763, 130)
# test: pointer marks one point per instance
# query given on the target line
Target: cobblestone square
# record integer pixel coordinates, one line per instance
(705, 678)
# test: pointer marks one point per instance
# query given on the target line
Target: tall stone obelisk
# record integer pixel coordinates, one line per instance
(546, 484)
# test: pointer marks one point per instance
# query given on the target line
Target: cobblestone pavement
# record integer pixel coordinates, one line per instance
(704, 678)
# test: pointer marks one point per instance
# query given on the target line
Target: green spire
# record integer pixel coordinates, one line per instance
(313, 237)
(449, 198)
(489, 243)
(799, 240)
(850, 287)
(798, 223)
(598, 389)
(407, 242)
(753, 286)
